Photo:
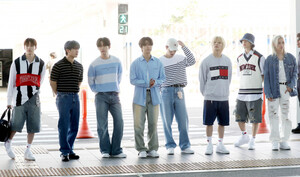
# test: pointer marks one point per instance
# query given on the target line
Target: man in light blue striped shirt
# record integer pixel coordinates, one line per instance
(104, 77)
(146, 74)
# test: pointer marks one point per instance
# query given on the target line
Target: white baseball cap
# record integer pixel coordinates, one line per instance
(172, 44)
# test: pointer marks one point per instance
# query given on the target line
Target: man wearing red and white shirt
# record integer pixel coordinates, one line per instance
(26, 75)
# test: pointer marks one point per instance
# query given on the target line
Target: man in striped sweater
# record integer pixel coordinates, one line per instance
(104, 77)
(26, 75)
(173, 102)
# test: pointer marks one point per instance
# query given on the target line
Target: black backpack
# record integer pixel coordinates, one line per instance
(5, 125)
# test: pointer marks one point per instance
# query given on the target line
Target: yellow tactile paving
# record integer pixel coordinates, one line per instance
(147, 168)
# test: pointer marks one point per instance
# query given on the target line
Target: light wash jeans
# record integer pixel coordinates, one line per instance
(104, 102)
(286, 123)
(68, 109)
(139, 115)
(170, 106)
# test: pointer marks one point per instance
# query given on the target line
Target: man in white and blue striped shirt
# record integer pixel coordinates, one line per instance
(173, 102)
(104, 77)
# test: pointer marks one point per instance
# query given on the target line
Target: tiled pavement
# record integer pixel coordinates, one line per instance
(48, 162)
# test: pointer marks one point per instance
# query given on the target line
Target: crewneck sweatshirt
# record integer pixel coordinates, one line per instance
(215, 77)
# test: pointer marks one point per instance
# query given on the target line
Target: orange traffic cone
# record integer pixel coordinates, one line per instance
(263, 126)
(84, 131)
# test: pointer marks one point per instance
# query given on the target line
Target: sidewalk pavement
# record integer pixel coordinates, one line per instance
(48, 162)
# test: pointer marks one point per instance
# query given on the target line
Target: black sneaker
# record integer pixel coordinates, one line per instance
(64, 158)
(296, 130)
(73, 156)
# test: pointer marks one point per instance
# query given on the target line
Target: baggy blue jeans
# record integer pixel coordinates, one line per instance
(104, 102)
(172, 105)
(69, 110)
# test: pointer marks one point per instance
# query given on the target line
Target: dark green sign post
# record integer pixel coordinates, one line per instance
(123, 19)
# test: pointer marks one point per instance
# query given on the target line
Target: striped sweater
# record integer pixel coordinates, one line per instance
(175, 67)
(104, 75)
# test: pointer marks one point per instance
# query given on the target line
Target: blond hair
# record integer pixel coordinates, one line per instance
(218, 38)
(275, 43)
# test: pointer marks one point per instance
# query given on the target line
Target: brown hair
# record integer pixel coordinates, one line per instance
(30, 41)
(103, 41)
(298, 36)
(53, 55)
(144, 41)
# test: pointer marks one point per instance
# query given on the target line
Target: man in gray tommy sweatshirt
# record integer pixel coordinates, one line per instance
(215, 76)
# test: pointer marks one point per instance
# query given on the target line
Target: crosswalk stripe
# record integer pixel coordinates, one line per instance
(50, 134)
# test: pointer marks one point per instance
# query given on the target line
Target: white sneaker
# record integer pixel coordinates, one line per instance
(142, 154)
(28, 155)
(153, 153)
(275, 146)
(251, 144)
(170, 151)
(209, 149)
(244, 139)
(121, 155)
(187, 151)
(284, 146)
(9, 151)
(222, 149)
(105, 155)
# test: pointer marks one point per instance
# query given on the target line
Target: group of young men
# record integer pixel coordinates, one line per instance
(158, 83)
(215, 73)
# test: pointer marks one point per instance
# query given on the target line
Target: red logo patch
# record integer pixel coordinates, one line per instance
(28, 80)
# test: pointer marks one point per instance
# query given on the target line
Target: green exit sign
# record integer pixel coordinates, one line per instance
(123, 19)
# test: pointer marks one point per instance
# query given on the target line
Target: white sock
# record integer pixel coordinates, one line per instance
(28, 146)
(244, 132)
(220, 140)
(209, 139)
